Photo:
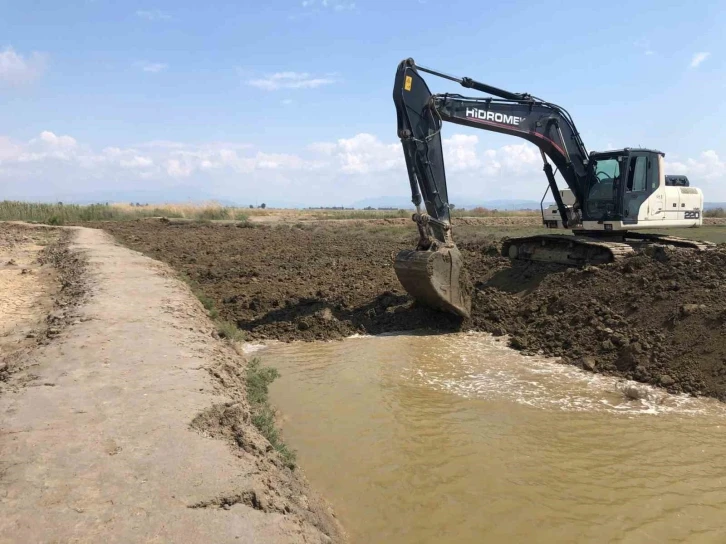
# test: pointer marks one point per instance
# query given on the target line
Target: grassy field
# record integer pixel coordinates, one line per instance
(61, 214)
(709, 233)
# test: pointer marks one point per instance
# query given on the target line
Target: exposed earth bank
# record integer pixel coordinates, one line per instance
(657, 318)
(131, 422)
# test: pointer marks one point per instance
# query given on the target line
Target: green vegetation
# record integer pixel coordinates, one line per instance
(229, 331)
(708, 233)
(259, 379)
(716, 212)
(207, 302)
(61, 214)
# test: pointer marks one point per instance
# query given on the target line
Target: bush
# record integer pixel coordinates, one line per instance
(230, 331)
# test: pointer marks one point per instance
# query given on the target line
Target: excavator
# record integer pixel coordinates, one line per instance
(611, 196)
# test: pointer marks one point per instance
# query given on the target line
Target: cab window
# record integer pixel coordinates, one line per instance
(637, 174)
(640, 174)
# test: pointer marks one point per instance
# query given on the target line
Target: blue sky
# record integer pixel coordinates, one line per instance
(290, 101)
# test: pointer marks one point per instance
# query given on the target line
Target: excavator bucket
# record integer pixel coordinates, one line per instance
(436, 279)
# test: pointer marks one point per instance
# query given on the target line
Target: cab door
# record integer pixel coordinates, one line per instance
(637, 187)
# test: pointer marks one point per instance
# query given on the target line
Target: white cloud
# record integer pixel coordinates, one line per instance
(707, 168)
(290, 80)
(323, 148)
(323, 173)
(137, 161)
(698, 58)
(57, 142)
(644, 45)
(334, 5)
(460, 152)
(48, 146)
(153, 15)
(17, 69)
(152, 67)
(361, 154)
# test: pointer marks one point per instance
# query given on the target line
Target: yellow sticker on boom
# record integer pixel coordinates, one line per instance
(407, 83)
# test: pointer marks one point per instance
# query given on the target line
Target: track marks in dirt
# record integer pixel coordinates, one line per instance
(41, 287)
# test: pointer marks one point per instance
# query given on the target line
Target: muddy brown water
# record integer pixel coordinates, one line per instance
(456, 438)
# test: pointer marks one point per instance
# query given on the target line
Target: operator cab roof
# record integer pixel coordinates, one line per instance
(625, 150)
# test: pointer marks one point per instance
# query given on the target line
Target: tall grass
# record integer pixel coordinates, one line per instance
(715, 212)
(60, 214)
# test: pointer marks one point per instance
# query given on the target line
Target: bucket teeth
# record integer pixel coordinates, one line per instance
(436, 279)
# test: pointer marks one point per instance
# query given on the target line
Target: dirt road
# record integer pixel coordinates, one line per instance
(99, 447)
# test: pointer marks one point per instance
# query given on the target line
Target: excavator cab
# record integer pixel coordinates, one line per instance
(602, 197)
(620, 182)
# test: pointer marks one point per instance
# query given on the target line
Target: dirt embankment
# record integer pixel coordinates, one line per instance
(656, 318)
(135, 424)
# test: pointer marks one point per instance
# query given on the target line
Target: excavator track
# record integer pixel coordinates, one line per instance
(585, 250)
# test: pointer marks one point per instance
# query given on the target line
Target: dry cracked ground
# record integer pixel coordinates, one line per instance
(123, 416)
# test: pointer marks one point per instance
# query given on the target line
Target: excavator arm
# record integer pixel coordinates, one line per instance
(421, 115)
(433, 273)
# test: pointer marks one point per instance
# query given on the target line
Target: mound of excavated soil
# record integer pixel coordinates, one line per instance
(653, 318)
(657, 318)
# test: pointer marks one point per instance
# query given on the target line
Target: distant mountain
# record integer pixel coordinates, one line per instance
(714, 205)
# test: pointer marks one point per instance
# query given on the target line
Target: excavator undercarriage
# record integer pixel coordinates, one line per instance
(616, 193)
(581, 250)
